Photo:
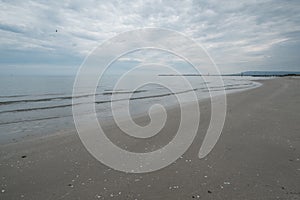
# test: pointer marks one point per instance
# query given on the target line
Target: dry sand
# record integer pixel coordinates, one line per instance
(257, 157)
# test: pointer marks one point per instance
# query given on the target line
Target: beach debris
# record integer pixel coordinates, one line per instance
(24, 156)
(70, 185)
(226, 183)
(173, 187)
(208, 191)
(98, 196)
(2, 191)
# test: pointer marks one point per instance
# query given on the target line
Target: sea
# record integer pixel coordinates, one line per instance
(32, 106)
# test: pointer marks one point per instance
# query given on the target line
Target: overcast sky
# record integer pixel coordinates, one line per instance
(253, 35)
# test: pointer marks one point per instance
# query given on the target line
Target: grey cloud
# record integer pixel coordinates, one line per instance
(11, 28)
(234, 31)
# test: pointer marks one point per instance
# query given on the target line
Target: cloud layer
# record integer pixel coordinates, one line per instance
(249, 35)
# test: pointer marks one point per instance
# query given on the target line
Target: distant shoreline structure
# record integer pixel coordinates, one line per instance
(247, 73)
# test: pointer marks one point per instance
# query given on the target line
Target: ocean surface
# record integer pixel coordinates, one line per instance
(37, 105)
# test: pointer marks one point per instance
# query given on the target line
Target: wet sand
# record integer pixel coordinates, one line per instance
(256, 157)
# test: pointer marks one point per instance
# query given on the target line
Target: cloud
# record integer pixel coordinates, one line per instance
(11, 28)
(238, 34)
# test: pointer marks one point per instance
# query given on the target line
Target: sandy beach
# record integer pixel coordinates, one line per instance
(256, 157)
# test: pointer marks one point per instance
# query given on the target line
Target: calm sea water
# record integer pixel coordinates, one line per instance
(39, 105)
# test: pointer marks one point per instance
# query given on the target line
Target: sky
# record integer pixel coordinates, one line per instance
(238, 35)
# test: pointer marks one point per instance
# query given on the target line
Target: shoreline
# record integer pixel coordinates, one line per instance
(257, 157)
(23, 138)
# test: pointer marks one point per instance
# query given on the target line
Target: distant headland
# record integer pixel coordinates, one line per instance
(247, 73)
